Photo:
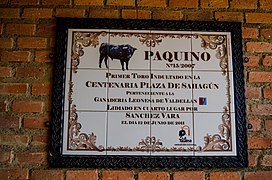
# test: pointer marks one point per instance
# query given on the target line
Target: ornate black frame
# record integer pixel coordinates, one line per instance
(56, 159)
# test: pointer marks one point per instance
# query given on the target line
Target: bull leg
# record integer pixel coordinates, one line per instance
(127, 65)
(106, 61)
(100, 60)
(122, 63)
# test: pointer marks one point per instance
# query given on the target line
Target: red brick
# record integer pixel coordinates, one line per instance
(260, 77)
(14, 88)
(6, 43)
(32, 42)
(82, 174)
(27, 106)
(153, 176)
(120, 175)
(263, 175)
(43, 56)
(184, 3)
(3, 106)
(258, 18)
(30, 72)
(250, 32)
(136, 14)
(35, 123)
(45, 29)
(9, 12)
(253, 92)
(265, 4)
(9, 122)
(252, 160)
(245, 75)
(103, 13)
(192, 175)
(52, 42)
(267, 160)
(70, 12)
(157, 3)
(266, 33)
(8, 173)
(261, 109)
(31, 158)
(89, 2)
(256, 142)
(36, 139)
(26, 29)
(5, 72)
(24, 2)
(243, 4)
(54, 2)
(44, 88)
(267, 93)
(253, 61)
(14, 56)
(214, 3)
(48, 105)
(1, 28)
(268, 125)
(4, 2)
(47, 174)
(11, 139)
(248, 110)
(224, 175)
(256, 124)
(198, 16)
(121, 2)
(167, 15)
(259, 46)
(229, 16)
(37, 13)
(4, 157)
(267, 61)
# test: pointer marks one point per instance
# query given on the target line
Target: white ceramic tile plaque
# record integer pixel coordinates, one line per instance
(134, 93)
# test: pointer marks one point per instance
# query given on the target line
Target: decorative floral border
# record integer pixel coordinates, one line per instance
(80, 141)
(221, 141)
(219, 44)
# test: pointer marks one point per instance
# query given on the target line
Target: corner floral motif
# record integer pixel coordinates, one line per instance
(81, 40)
(79, 140)
(218, 43)
(221, 141)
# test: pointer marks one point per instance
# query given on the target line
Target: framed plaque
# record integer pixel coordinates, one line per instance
(148, 94)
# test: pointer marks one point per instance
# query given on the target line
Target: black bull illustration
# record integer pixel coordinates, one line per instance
(121, 52)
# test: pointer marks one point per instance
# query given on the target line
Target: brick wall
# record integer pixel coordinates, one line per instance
(27, 37)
